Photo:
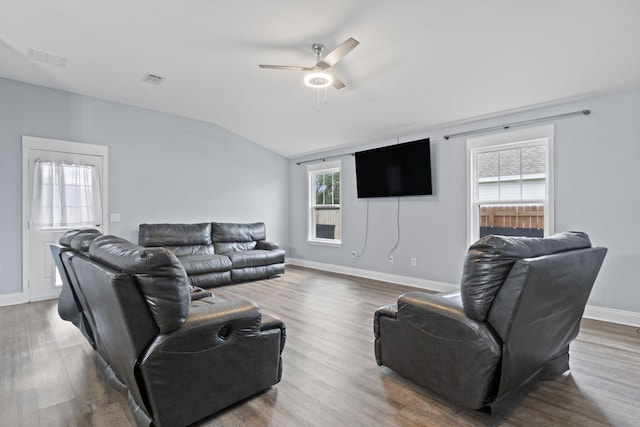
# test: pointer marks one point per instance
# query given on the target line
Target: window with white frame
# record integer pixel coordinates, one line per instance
(511, 183)
(325, 217)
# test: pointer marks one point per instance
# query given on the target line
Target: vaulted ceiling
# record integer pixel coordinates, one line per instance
(420, 63)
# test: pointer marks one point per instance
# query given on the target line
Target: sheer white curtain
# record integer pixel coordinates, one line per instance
(65, 195)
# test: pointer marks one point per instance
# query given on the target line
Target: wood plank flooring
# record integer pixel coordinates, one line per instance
(330, 378)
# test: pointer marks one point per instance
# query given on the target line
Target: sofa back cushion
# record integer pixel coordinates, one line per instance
(181, 239)
(490, 259)
(158, 272)
(82, 237)
(232, 237)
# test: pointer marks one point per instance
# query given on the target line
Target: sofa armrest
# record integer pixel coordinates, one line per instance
(266, 245)
(199, 293)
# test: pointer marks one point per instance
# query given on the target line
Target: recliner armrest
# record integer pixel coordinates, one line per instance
(211, 322)
(440, 315)
(390, 310)
(266, 245)
(271, 322)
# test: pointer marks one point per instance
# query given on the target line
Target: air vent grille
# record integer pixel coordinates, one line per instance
(153, 78)
(47, 58)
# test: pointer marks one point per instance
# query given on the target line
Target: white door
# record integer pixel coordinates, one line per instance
(40, 279)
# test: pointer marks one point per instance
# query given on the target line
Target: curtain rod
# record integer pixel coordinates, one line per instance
(470, 132)
(525, 122)
(324, 158)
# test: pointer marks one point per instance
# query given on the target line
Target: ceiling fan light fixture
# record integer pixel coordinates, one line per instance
(318, 79)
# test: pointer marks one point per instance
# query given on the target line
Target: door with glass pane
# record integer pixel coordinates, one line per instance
(65, 191)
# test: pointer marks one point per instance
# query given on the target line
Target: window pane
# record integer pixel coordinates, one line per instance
(327, 223)
(513, 174)
(512, 220)
(534, 160)
(327, 188)
(319, 183)
(488, 164)
(324, 204)
(509, 164)
(533, 189)
(488, 187)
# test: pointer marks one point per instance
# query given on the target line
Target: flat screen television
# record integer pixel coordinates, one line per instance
(396, 170)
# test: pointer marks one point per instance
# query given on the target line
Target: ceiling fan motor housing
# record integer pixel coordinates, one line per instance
(317, 49)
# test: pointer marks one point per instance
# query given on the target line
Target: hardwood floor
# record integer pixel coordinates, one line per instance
(330, 377)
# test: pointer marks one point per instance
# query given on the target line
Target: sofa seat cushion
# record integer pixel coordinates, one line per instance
(200, 264)
(211, 279)
(490, 259)
(255, 258)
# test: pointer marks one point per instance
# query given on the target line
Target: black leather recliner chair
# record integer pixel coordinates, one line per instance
(520, 305)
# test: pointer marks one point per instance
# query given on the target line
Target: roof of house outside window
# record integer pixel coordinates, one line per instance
(507, 162)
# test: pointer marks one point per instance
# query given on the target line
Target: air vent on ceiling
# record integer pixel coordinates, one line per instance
(47, 58)
(153, 78)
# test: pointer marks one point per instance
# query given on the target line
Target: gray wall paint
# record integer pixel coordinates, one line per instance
(162, 168)
(596, 176)
(167, 168)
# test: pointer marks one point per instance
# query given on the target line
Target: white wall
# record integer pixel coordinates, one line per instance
(596, 178)
(162, 168)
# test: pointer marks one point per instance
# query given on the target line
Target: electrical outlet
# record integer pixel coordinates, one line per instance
(413, 261)
(390, 258)
(353, 254)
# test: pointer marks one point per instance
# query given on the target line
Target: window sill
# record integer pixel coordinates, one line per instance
(325, 242)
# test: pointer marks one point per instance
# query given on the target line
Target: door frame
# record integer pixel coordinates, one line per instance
(36, 143)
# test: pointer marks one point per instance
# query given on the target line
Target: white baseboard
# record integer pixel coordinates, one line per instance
(13, 299)
(591, 312)
(612, 315)
(376, 275)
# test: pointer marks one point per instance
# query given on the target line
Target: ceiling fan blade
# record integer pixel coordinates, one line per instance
(338, 53)
(337, 83)
(285, 67)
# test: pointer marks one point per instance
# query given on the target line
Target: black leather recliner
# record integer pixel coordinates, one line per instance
(176, 359)
(520, 305)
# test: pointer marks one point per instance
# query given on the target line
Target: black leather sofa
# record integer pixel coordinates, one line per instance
(519, 308)
(217, 253)
(177, 355)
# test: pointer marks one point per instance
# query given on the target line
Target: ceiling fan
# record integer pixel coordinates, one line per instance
(318, 76)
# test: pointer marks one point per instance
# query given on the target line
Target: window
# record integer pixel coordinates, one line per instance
(325, 219)
(65, 195)
(511, 184)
